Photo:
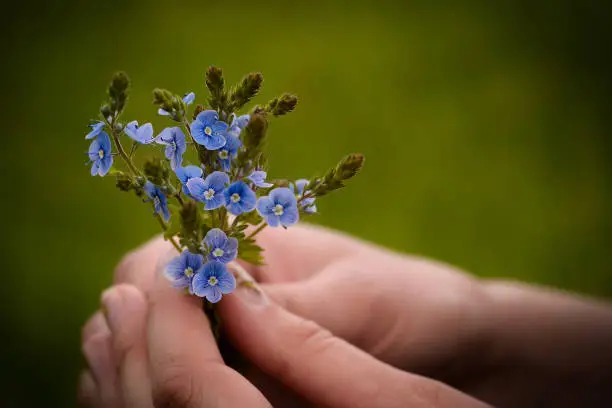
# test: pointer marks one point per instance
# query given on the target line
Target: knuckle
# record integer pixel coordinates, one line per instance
(311, 341)
(126, 266)
(176, 389)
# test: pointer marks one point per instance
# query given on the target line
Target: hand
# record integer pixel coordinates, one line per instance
(154, 347)
(161, 353)
(415, 314)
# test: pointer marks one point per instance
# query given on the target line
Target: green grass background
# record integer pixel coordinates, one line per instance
(486, 127)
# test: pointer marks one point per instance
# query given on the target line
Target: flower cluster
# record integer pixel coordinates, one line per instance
(210, 193)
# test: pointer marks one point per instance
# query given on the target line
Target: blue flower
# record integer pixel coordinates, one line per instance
(159, 199)
(208, 130)
(280, 207)
(100, 155)
(96, 128)
(240, 121)
(188, 99)
(239, 198)
(142, 134)
(258, 177)
(181, 270)
(213, 281)
(186, 173)
(209, 190)
(174, 139)
(221, 248)
(229, 151)
(307, 203)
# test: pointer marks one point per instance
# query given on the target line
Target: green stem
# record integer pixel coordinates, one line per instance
(165, 228)
(258, 230)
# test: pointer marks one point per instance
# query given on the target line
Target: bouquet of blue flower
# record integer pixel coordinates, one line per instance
(211, 210)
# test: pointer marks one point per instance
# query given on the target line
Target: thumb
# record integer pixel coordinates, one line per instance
(322, 368)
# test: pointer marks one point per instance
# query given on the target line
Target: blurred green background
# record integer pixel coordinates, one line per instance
(486, 127)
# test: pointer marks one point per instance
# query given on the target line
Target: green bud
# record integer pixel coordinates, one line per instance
(215, 84)
(282, 105)
(118, 92)
(198, 109)
(335, 178)
(245, 91)
(106, 111)
(157, 171)
(255, 134)
(124, 182)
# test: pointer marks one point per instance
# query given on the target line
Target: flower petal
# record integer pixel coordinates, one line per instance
(208, 117)
(197, 187)
(163, 112)
(290, 216)
(197, 131)
(105, 143)
(227, 283)
(300, 185)
(265, 206)
(96, 128)
(189, 98)
(215, 238)
(217, 180)
(214, 294)
(215, 202)
(283, 196)
(105, 164)
(273, 220)
(213, 142)
(95, 167)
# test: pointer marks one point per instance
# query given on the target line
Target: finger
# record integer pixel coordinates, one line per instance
(301, 251)
(138, 267)
(321, 367)
(185, 364)
(94, 325)
(99, 355)
(87, 395)
(126, 313)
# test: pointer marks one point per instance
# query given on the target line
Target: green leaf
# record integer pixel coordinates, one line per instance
(250, 252)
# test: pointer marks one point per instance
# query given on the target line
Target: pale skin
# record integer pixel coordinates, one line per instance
(345, 324)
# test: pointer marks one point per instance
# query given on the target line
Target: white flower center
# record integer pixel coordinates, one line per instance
(209, 194)
(218, 252)
(156, 201)
(278, 210)
(188, 272)
(235, 197)
(101, 153)
(212, 281)
(223, 154)
(208, 130)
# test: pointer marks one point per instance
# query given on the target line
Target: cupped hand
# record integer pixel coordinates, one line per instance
(415, 314)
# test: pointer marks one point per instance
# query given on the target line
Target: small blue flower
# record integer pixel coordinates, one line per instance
(280, 207)
(307, 203)
(213, 281)
(142, 134)
(174, 139)
(221, 248)
(240, 121)
(229, 151)
(159, 199)
(188, 99)
(96, 128)
(239, 198)
(210, 190)
(181, 270)
(258, 177)
(186, 173)
(100, 155)
(208, 130)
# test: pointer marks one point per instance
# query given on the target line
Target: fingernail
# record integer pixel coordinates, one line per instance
(252, 296)
(112, 303)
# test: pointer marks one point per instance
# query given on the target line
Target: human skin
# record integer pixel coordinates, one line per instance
(416, 315)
